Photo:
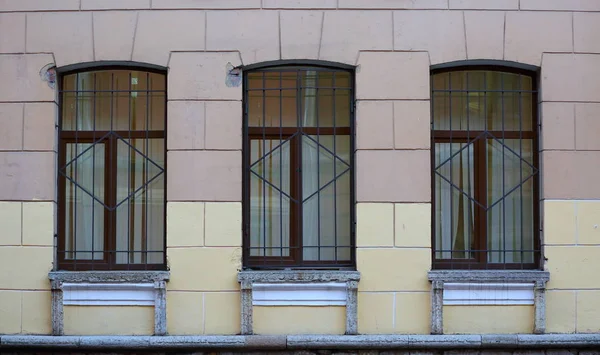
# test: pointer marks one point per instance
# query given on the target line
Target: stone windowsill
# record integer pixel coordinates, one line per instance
(108, 276)
(296, 276)
(515, 276)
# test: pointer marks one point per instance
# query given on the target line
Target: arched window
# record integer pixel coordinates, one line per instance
(485, 168)
(111, 178)
(298, 167)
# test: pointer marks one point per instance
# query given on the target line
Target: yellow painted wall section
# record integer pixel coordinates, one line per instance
(488, 319)
(108, 320)
(299, 320)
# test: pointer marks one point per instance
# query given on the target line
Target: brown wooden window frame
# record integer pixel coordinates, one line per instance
(480, 172)
(294, 135)
(109, 139)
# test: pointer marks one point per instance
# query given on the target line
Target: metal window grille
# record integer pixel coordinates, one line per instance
(485, 209)
(111, 177)
(298, 168)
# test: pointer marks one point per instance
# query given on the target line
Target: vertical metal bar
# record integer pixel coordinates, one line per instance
(111, 232)
(316, 81)
(469, 202)
(520, 93)
(299, 237)
(352, 122)
(130, 183)
(263, 154)
(482, 181)
(145, 176)
(335, 212)
(503, 172)
(280, 168)
(433, 172)
(76, 175)
(452, 235)
(94, 172)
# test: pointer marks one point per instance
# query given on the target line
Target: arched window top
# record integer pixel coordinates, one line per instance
(110, 65)
(297, 63)
(486, 64)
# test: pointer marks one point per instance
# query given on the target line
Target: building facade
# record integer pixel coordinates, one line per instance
(332, 174)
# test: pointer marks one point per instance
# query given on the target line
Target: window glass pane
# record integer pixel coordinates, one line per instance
(454, 194)
(269, 198)
(321, 186)
(482, 100)
(113, 100)
(140, 201)
(510, 201)
(323, 104)
(84, 197)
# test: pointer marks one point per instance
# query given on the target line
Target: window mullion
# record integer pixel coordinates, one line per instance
(481, 197)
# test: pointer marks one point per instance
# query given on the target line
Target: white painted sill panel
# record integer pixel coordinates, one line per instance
(102, 294)
(299, 294)
(488, 294)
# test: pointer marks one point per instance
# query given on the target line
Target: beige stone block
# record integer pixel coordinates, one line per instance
(255, 34)
(375, 80)
(300, 34)
(571, 175)
(70, 39)
(12, 33)
(565, 5)
(202, 76)
(413, 312)
(185, 224)
(586, 27)
(558, 122)
(29, 267)
(345, 33)
(529, 34)
(374, 224)
(36, 317)
(375, 313)
(223, 224)
(222, 313)
(393, 4)
(588, 222)
(570, 77)
(185, 126)
(23, 72)
(108, 320)
(11, 126)
(38, 5)
(587, 126)
(39, 126)
(588, 311)
(107, 46)
(441, 33)
(560, 222)
(484, 34)
(204, 176)
(38, 223)
(299, 4)
(573, 267)
(382, 176)
(412, 127)
(560, 311)
(395, 276)
(375, 125)
(160, 32)
(114, 4)
(185, 313)
(412, 227)
(484, 4)
(488, 319)
(206, 4)
(306, 320)
(220, 267)
(10, 312)
(18, 183)
(10, 220)
(224, 125)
